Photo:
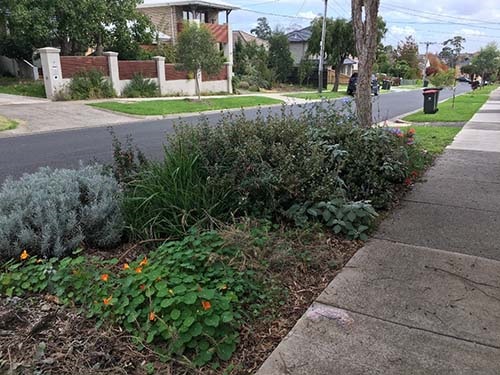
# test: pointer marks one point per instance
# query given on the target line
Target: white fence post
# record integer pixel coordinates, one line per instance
(228, 52)
(114, 71)
(160, 72)
(52, 72)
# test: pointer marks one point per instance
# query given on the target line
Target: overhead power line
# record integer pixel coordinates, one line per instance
(441, 15)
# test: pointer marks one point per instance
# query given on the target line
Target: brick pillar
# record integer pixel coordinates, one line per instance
(114, 71)
(160, 72)
(52, 71)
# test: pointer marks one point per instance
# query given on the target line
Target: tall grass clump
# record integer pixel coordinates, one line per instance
(168, 198)
(140, 87)
(90, 84)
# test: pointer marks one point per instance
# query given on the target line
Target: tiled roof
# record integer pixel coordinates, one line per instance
(300, 36)
(205, 3)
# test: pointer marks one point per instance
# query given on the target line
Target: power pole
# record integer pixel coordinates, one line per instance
(427, 44)
(322, 51)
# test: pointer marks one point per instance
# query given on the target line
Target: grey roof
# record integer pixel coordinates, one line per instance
(300, 36)
(349, 61)
(204, 3)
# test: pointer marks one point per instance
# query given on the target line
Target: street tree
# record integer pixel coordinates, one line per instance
(407, 51)
(280, 58)
(365, 23)
(487, 62)
(339, 43)
(451, 50)
(197, 52)
(262, 30)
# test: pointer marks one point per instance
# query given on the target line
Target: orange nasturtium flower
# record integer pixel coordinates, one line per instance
(144, 262)
(24, 255)
(206, 305)
(104, 277)
(152, 316)
(126, 266)
(107, 301)
(142, 287)
(138, 270)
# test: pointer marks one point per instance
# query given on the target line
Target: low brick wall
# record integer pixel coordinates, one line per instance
(173, 74)
(127, 69)
(222, 76)
(71, 65)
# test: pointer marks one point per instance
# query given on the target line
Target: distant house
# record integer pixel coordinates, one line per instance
(298, 41)
(245, 38)
(169, 16)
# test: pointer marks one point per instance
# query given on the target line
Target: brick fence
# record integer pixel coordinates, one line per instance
(58, 70)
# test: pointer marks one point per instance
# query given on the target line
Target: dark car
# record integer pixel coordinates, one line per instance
(353, 83)
(463, 79)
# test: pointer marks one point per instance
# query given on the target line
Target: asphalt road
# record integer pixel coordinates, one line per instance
(26, 154)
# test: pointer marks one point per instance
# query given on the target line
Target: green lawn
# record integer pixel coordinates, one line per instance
(14, 86)
(324, 95)
(465, 107)
(6, 124)
(434, 139)
(166, 107)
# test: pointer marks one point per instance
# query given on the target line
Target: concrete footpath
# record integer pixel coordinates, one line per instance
(423, 296)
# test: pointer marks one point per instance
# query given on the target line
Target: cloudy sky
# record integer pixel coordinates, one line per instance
(434, 21)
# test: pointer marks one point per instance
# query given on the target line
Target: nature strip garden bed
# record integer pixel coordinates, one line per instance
(231, 238)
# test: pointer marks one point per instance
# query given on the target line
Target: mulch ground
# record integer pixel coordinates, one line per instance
(40, 336)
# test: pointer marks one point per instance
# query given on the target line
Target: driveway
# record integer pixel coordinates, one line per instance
(36, 115)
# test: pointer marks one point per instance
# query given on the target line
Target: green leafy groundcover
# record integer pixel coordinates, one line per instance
(184, 297)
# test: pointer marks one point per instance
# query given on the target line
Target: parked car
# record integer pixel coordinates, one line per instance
(353, 83)
(463, 79)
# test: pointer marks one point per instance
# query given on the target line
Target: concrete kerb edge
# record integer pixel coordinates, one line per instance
(418, 110)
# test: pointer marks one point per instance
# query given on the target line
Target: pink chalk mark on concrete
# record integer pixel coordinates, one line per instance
(318, 311)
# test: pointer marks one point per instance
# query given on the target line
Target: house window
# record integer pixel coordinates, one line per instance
(186, 15)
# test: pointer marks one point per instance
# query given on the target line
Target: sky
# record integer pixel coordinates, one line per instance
(427, 21)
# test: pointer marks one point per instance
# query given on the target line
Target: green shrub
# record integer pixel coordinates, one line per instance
(167, 199)
(271, 163)
(187, 297)
(52, 212)
(351, 219)
(244, 85)
(90, 84)
(140, 87)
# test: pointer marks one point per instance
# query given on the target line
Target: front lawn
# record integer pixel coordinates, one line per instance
(6, 124)
(465, 107)
(167, 107)
(324, 95)
(434, 139)
(14, 86)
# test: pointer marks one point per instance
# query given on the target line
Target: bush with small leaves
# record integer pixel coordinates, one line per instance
(53, 212)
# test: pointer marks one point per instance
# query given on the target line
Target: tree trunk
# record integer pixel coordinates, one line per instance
(99, 50)
(338, 67)
(197, 79)
(364, 15)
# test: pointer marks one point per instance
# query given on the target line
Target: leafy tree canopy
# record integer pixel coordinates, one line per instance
(262, 30)
(196, 50)
(72, 25)
(280, 57)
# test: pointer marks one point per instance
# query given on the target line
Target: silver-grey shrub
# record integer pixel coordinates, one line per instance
(53, 212)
